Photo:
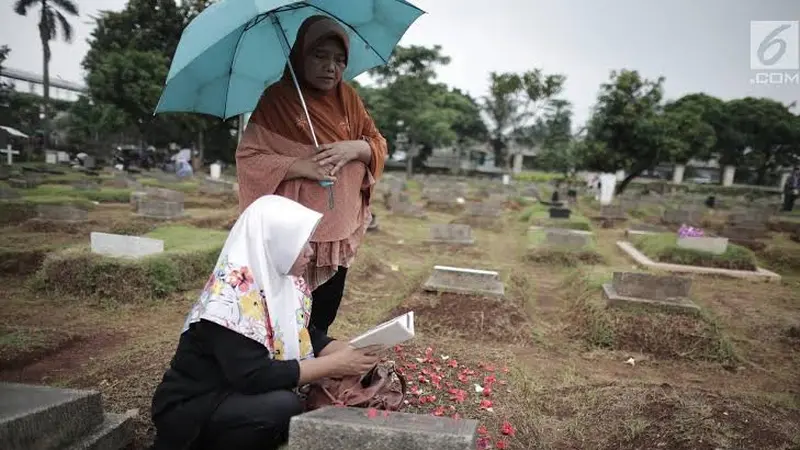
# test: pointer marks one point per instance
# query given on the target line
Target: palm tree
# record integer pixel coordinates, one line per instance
(51, 18)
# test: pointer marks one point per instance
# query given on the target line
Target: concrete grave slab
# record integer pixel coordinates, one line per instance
(8, 193)
(459, 280)
(159, 209)
(561, 238)
(335, 428)
(61, 213)
(122, 246)
(713, 245)
(662, 292)
(41, 417)
(451, 234)
(484, 209)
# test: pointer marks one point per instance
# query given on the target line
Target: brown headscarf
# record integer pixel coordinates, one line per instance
(278, 135)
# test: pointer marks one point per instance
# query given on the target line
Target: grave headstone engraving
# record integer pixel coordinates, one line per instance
(335, 428)
(451, 234)
(664, 292)
(118, 245)
(465, 281)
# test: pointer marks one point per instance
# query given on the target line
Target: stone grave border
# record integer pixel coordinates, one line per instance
(464, 291)
(430, 241)
(641, 259)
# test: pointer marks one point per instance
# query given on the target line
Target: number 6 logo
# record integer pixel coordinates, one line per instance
(774, 45)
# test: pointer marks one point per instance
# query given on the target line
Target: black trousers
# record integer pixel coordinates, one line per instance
(788, 201)
(250, 422)
(326, 300)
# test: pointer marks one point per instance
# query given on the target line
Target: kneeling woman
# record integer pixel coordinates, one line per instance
(246, 344)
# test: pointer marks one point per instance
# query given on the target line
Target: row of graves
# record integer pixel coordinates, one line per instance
(169, 255)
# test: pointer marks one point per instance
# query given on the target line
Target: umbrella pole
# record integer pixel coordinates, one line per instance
(286, 50)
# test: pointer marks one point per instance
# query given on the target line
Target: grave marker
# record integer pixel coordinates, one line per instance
(62, 213)
(612, 212)
(560, 213)
(556, 237)
(336, 428)
(714, 245)
(122, 246)
(10, 154)
(159, 209)
(484, 209)
(683, 216)
(451, 234)
(465, 281)
(665, 292)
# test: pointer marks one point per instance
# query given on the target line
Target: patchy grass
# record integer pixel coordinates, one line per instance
(20, 346)
(542, 253)
(104, 195)
(663, 247)
(189, 255)
(661, 334)
(188, 187)
(782, 254)
(567, 384)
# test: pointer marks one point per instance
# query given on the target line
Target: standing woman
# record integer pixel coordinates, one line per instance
(277, 156)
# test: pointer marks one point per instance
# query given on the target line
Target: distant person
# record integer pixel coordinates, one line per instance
(247, 344)
(277, 156)
(791, 189)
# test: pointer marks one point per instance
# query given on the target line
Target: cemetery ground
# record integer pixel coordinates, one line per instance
(547, 366)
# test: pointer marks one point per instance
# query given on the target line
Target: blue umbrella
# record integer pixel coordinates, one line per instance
(234, 49)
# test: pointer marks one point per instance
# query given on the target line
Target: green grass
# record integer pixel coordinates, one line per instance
(542, 253)
(536, 176)
(189, 256)
(58, 191)
(538, 214)
(663, 247)
(182, 186)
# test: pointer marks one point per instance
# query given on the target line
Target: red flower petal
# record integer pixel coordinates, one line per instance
(483, 443)
(372, 413)
(452, 363)
(507, 429)
(486, 404)
(501, 444)
(482, 431)
(438, 411)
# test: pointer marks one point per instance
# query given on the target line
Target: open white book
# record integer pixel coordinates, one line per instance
(393, 332)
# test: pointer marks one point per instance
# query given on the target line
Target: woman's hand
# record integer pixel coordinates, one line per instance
(340, 153)
(353, 361)
(308, 168)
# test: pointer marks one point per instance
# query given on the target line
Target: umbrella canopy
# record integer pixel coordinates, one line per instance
(235, 48)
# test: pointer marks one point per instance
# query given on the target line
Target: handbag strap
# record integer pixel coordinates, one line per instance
(403, 387)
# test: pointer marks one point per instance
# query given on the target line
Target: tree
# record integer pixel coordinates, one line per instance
(628, 129)
(5, 88)
(51, 20)
(515, 100)
(697, 138)
(406, 99)
(552, 134)
(90, 124)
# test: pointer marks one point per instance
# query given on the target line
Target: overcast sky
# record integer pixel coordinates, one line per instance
(698, 45)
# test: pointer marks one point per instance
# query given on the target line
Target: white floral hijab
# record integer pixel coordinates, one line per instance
(250, 291)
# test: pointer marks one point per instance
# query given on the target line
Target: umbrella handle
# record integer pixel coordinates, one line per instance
(286, 49)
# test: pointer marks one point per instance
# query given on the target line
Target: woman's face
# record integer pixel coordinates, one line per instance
(325, 64)
(299, 266)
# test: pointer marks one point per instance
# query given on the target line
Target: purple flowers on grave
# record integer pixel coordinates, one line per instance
(687, 231)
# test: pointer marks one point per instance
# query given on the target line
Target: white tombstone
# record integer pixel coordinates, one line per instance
(506, 179)
(728, 173)
(216, 171)
(620, 175)
(122, 246)
(10, 154)
(51, 157)
(714, 245)
(677, 174)
(63, 157)
(608, 182)
(784, 179)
